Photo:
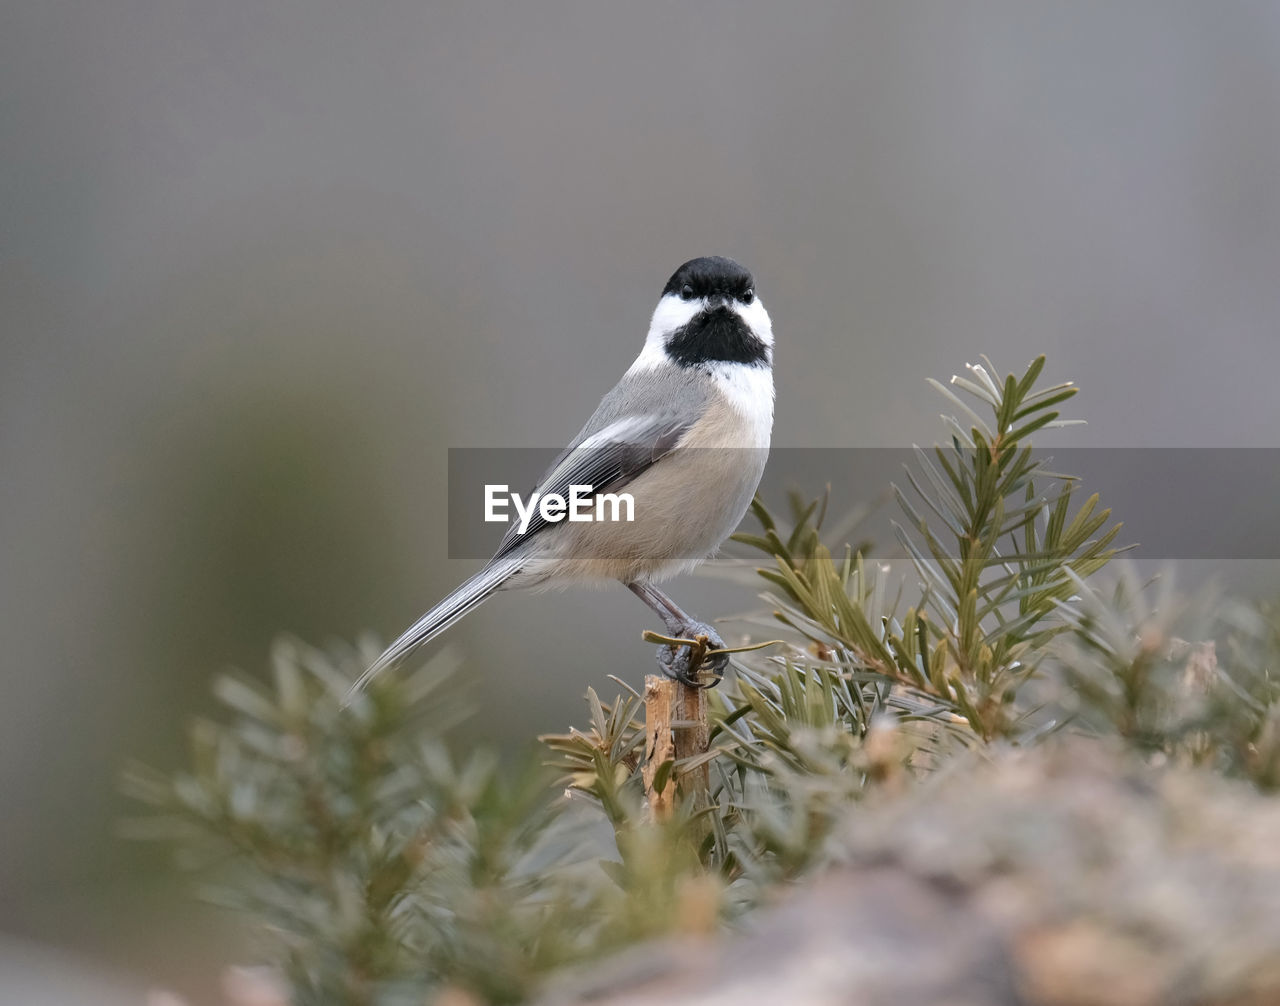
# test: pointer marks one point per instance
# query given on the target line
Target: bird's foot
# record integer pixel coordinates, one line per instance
(690, 665)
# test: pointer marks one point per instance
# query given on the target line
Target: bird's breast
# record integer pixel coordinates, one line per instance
(739, 412)
(689, 501)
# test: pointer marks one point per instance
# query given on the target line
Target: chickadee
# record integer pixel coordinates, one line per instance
(685, 433)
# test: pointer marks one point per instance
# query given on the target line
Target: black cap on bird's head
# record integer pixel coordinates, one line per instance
(714, 316)
(711, 276)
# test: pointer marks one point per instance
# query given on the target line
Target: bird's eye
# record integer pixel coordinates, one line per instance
(686, 292)
(748, 297)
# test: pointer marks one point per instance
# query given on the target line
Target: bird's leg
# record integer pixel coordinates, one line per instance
(677, 662)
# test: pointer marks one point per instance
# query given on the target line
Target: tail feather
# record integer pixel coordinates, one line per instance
(469, 595)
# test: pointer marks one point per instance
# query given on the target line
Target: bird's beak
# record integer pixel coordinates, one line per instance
(717, 300)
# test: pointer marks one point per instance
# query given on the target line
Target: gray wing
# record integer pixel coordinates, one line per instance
(605, 461)
(636, 424)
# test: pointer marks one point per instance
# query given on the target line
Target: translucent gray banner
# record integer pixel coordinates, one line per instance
(1175, 503)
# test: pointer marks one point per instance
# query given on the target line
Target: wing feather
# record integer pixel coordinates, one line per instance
(606, 461)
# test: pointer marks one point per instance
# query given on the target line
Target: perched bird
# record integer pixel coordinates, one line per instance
(685, 433)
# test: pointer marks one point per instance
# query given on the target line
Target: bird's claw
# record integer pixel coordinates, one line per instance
(679, 663)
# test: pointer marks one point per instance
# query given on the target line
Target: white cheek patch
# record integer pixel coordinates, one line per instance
(672, 313)
(757, 319)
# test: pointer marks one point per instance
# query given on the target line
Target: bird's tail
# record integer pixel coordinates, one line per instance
(443, 615)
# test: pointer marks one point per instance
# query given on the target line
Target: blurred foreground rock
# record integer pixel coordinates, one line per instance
(1063, 876)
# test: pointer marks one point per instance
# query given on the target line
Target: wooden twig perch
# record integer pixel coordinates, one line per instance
(676, 729)
(675, 719)
(659, 745)
(693, 737)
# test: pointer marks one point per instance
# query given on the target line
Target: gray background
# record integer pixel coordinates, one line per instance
(263, 261)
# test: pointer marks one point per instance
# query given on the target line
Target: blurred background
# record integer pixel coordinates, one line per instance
(262, 262)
